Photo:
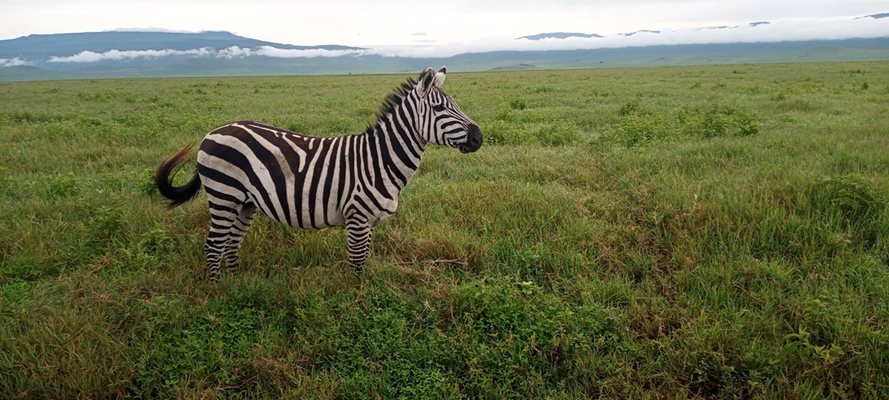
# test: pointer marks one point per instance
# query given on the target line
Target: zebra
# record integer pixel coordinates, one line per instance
(317, 182)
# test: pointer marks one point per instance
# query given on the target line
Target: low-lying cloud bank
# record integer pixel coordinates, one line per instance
(274, 52)
(117, 55)
(227, 53)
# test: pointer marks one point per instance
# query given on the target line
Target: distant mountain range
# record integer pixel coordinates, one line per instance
(877, 16)
(142, 54)
(560, 35)
(639, 31)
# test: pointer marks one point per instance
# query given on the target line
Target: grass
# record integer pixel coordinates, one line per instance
(703, 232)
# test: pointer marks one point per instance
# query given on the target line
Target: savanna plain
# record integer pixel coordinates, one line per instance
(671, 232)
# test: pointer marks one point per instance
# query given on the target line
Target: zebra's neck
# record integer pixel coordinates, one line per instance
(396, 149)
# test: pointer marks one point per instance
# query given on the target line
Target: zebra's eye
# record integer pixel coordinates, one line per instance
(438, 107)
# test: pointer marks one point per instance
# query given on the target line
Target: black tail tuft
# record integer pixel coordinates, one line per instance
(163, 179)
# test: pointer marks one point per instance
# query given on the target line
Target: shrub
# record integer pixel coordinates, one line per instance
(506, 133)
(557, 133)
(631, 107)
(62, 185)
(636, 129)
(548, 133)
(217, 347)
(639, 126)
(518, 333)
(850, 202)
(715, 121)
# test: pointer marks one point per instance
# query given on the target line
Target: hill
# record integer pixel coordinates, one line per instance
(44, 47)
(158, 54)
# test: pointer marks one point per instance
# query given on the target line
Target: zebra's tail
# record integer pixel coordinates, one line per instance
(163, 179)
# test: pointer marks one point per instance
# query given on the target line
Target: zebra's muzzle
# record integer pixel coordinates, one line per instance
(473, 139)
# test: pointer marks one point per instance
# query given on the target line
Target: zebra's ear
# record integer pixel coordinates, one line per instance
(427, 79)
(440, 76)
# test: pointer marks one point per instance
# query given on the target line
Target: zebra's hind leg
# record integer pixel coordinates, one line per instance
(359, 232)
(236, 236)
(222, 218)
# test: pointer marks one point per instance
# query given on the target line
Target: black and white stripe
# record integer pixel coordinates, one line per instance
(317, 182)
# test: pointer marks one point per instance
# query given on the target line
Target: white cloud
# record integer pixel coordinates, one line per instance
(116, 55)
(227, 53)
(234, 52)
(269, 51)
(13, 62)
(274, 52)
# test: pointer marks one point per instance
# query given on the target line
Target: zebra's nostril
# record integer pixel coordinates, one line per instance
(473, 138)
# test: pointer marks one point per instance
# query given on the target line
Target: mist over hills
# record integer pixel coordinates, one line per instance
(217, 53)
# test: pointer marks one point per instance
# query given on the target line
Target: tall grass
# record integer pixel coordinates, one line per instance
(711, 232)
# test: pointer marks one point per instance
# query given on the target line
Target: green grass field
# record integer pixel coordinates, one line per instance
(683, 232)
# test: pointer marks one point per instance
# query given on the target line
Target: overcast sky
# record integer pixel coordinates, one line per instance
(415, 23)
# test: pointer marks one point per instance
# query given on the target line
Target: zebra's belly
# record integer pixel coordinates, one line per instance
(308, 223)
(317, 218)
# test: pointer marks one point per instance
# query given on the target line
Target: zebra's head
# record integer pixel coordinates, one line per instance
(442, 120)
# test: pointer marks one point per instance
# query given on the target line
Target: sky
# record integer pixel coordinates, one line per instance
(445, 27)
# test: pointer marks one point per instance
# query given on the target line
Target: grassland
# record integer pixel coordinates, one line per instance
(683, 232)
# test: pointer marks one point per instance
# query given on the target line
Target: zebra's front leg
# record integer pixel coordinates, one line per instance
(359, 233)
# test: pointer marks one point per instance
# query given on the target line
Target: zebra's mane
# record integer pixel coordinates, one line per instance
(392, 101)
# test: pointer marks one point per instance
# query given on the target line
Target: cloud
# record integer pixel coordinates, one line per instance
(268, 51)
(117, 55)
(13, 62)
(761, 31)
(229, 53)
(234, 52)
(274, 52)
